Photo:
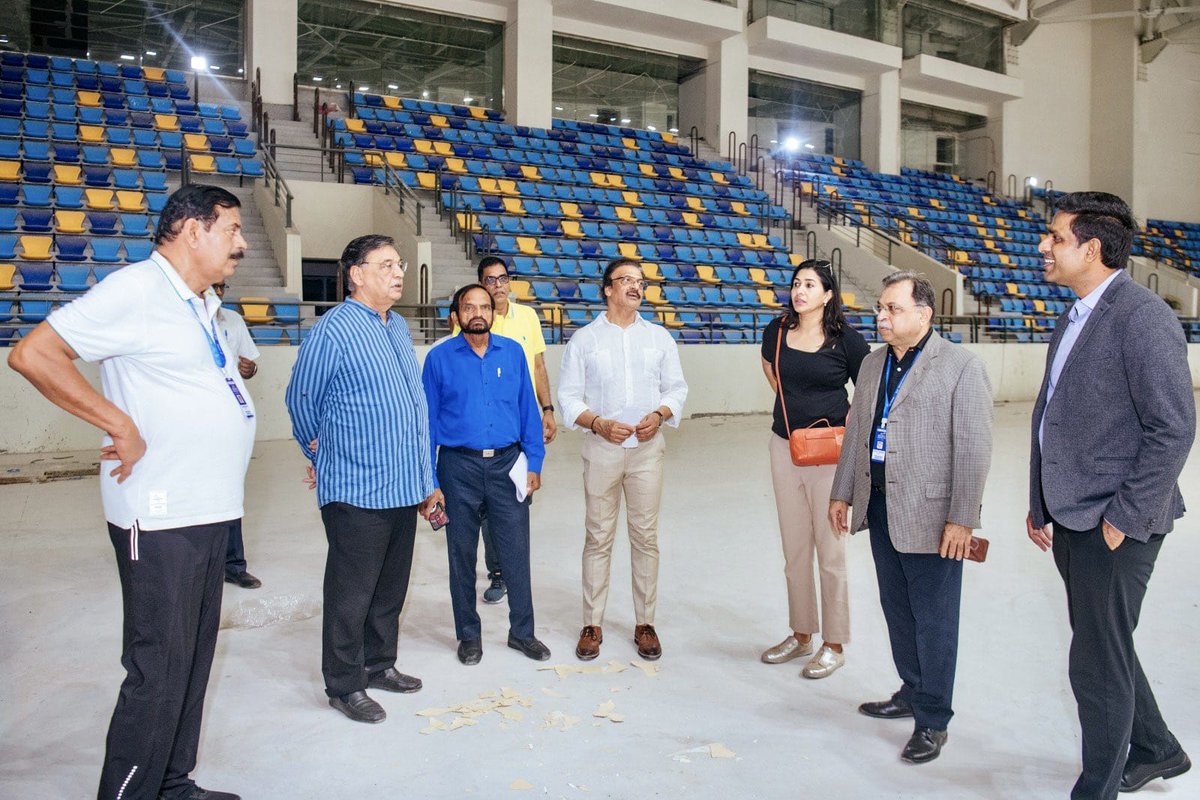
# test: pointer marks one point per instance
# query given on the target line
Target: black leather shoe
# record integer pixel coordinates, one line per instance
(531, 647)
(1135, 776)
(244, 580)
(359, 707)
(892, 708)
(196, 793)
(925, 745)
(392, 681)
(470, 651)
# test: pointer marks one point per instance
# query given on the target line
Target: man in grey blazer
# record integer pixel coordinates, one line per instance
(914, 461)
(1112, 428)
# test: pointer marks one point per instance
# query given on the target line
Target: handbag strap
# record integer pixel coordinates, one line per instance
(780, 333)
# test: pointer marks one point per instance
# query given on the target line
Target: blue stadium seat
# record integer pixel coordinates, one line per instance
(102, 223)
(138, 249)
(37, 276)
(37, 220)
(106, 251)
(72, 248)
(34, 310)
(73, 277)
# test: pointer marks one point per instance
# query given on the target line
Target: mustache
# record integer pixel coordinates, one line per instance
(237, 255)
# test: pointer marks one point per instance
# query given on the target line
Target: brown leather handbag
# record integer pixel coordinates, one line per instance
(819, 443)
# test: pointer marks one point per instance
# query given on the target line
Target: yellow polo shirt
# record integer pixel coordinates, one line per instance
(521, 323)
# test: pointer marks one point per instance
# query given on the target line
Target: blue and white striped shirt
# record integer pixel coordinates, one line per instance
(356, 389)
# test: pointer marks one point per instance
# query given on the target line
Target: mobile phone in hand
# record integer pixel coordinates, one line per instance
(438, 519)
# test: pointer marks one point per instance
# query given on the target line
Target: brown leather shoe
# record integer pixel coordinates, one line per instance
(590, 639)
(647, 642)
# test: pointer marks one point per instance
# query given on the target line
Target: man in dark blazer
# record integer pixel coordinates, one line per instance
(1112, 428)
(914, 462)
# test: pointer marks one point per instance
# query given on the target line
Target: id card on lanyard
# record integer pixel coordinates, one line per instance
(219, 359)
(879, 436)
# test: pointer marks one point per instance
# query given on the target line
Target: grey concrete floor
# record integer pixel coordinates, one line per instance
(269, 734)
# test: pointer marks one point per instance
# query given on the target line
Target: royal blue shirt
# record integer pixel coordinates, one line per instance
(482, 403)
(356, 389)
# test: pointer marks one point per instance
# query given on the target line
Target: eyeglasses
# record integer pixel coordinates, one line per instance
(630, 280)
(220, 287)
(497, 280)
(389, 266)
(894, 310)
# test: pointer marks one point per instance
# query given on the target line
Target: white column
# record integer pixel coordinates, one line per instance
(881, 123)
(529, 64)
(271, 46)
(727, 79)
(1114, 86)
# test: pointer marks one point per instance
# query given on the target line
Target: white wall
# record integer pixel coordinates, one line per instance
(1168, 135)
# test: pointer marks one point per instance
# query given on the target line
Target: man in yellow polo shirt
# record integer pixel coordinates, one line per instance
(520, 323)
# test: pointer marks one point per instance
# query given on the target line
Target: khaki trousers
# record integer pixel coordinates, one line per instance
(802, 500)
(608, 471)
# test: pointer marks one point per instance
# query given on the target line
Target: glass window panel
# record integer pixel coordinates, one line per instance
(954, 32)
(868, 19)
(804, 116)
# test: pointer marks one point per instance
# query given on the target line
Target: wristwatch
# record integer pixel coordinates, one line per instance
(548, 407)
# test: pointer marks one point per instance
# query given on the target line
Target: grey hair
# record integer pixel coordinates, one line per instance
(922, 289)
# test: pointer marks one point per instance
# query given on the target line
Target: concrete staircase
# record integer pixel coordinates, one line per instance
(301, 165)
(451, 267)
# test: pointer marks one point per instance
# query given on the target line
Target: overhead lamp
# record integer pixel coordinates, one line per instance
(791, 144)
(468, 99)
(674, 130)
(1032, 180)
(624, 121)
(558, 108)
(317, 79)
(151, 52)
(199, 62)
(810, 146)
(651, 128)
(126, 57)
(393, 86)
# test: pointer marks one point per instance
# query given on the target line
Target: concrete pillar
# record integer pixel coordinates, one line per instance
(881, 123)
(271, 46)
(727, 90)
(1114, 88)
(529, 64)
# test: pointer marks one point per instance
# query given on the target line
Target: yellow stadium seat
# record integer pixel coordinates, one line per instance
(1001, 234)
(99, 199)
(456, 165)
(390, 101)
(806, 187)
(625, 214)
(1039, 306)
(933, 201)
(196, 141)
(795, 259)
(423, 146)
(489, 186)
(68, 174)
(616, 181)
(166, 122)
(669, 138)
(513, 205)
(632, 198)
(10, 170)
(478, 113)
(438, 121)
(1004, 259)
(739, 208)
(443, 148)
(745, 239)
(629, 143)
(91, 99)
(696, 204)
(36, 248)
(599, 179)
(961, 257)
(973, 218)
(1012, 289)
(569, 210)
(528, 246)
(654, 295)
(157, 74)
(690, 218)
(841, 162)
(707, 273)
(571, 228)
(850, 301)
(133, 201)
(91, 134)
(371, 158)
(759, 275)
(6, 277)
(629, 250)
(123, 157)
(767, 298)
(508, 187)
(989, 244)
(69, 221)
(838, 171)
(521, 290)
(395, 160)
(650, 271)
(669, 318)
(648, 170)
(719, 177)
(467, 221)
(760, 241)
(203, 163)
(355, 125)
(427, 180)
(676, 173)
(530, 172)
(257, 310)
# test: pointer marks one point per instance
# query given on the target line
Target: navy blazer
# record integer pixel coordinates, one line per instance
(1121, 422)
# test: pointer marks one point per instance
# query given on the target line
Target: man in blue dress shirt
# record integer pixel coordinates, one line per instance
(359, 415)
(484, 416)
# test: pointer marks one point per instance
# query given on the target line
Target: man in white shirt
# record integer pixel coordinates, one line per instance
(180, 427)
(237, 336)
(621, 381)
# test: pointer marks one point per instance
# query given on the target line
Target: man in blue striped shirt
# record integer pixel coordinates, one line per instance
(484, 416)
(359, 414)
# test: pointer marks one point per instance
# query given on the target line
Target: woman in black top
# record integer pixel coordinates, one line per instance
(819, 353)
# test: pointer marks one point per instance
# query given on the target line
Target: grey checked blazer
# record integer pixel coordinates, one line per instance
(939, 445)
(1121, 422)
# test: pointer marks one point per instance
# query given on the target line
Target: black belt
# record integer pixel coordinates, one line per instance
(490, 453)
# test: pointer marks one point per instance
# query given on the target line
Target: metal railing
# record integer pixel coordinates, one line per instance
(328, 159)
(410, 205)
(277, 185)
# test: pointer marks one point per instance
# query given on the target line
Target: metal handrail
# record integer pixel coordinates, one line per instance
(275, 177)
(411, 205)
(337, 156)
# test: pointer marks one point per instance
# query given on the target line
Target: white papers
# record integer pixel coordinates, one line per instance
(630, 416)
(519, 475)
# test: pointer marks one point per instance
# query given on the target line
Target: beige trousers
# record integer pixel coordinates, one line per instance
(802, 500)
(608, 472)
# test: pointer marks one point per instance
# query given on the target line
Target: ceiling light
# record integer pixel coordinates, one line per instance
(625, 122)
(1032, 181)
(393, 86)
(810, 146)
(594, 116)
(774, 141)
(317, 79)
(674, 130)
(558, 108)
(151, 52)
(651, 128)
(199, 62)
(338, 86)
(468, 99)
(425, 93)
(240, 70)
(791, 144)
(126, 57)
(215, 67)
(364, 88)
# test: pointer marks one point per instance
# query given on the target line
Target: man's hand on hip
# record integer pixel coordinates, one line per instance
(127, 447)
(956, 541)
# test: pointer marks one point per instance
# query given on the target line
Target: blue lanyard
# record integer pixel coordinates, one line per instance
(887, 373)
(214, 342)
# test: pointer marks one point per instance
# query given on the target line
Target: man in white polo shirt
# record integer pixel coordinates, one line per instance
(180, 427)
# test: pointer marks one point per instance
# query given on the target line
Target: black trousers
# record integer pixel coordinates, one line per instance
(473, 486)
(366, 581)
(171, 596)
(235, 551)
(1117, 711)
(920, 594)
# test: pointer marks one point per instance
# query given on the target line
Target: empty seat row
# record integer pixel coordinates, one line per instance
(71, 175)
(73, 248)
(98, 223)
(47, 277)
(74, 197)
(36, 61)
(607, 250)
(119, 128)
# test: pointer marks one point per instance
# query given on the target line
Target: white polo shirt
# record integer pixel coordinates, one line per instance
(231, 324)
(151, 335)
